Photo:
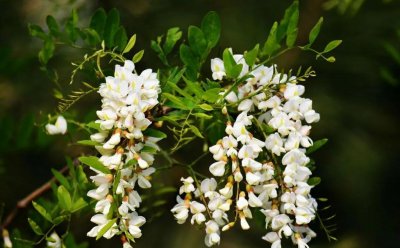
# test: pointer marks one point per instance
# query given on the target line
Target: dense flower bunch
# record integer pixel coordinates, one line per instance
(127, 99)
(268, 175)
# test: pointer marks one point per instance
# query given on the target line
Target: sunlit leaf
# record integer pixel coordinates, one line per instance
(95, 164)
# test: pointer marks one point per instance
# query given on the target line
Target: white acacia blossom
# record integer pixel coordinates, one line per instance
(59, 127)
(127, 98)
(268, 172)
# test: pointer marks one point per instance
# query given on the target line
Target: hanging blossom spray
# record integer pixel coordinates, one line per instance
(127, 99)
(259, 171)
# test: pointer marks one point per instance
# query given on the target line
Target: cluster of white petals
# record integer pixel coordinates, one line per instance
(126, 99)
(271, 174)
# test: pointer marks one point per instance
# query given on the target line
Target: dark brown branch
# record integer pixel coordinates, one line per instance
(24, 203)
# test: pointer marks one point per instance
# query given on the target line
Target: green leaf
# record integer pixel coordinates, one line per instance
(179, 90)
(92, 37)
(211, 95)
(120, 39)
(53, 26)
(88, 143)
(95, 164)
(315, 31)
(64, 198)
(78, 205)
(178, 102)
(173, 36)
(271, 45)
(58, 220)
(187, 56)
(291, 32)
(332, 45)
(194, 87)
(203, 116)
(81, 176)
(149, 149)
(111, 27)
(196, 131)
(317, 145)
(37, 31)
(47, 51)
(98, 21)
(197, 41)
(232, 69)
(154, 133)
(206, 107)
(106, 228)
(70, 26)
(42, 211)
(138, 56)
(60, 177)
(35, 227)
(94, 125)
(211, 26)
(291, 38)
(251, 56)
(157, 48)
(131, 44)
(314, 181)
(282, 29)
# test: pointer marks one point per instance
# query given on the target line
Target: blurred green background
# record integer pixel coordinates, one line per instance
(358, 98)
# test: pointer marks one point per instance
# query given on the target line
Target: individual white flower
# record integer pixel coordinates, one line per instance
(218, 69)
(218, 168)
(254, 201)
(60, 127)
(243, 222)
(295, 156)
(100, 192)
(187, 186)
(181, 210)
(103, 206)
(231, 97)
(101, 220)
(143, 177)
(253, 178)
(272, 103)
(242, 202)
(99, 137)
(293, 90)
(274, 143)
(208, 187)
(273, 238)
(113, 141)
(55, 241)
(217, 150)
(212, 234)
(245, 105)
(304, 215)
(197, 210)
(311, 116)
(135, 222)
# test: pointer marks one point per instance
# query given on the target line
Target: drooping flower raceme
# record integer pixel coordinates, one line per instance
(126, 151)
(263, 168)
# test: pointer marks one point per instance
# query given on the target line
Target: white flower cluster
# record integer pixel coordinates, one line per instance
(269, 175)
(126, 98)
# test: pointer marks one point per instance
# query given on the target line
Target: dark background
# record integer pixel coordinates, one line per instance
(358, 105)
